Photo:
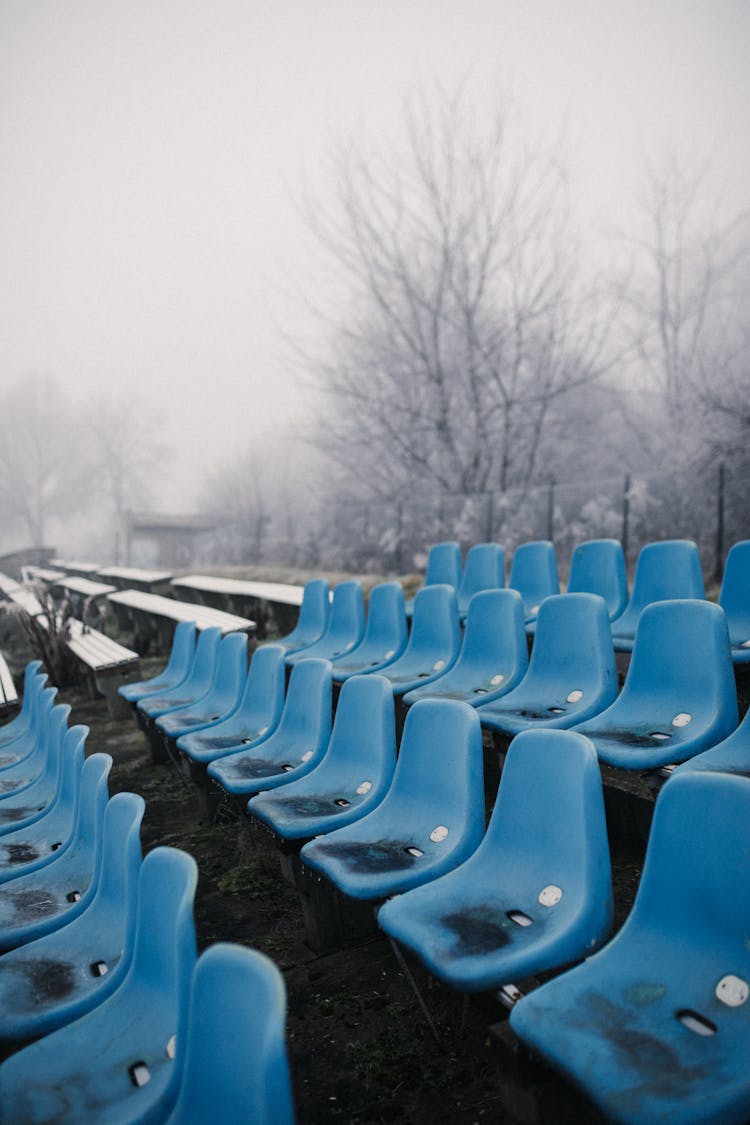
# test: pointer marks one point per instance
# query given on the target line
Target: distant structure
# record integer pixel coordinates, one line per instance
(161, 539)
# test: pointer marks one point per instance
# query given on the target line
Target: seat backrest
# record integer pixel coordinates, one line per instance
(484, 570)
(533, 572)
(309, 701)
(494, 635)
(314, 610)
(231, 668)
(573, 641)
(549, 824)
(386, 618)
(204, 663)
(183, 650)
(598, 567)
(121, 854)
(346, 624)
(435, 624)
(364, 728)
(444, 564)
(734, 596)
(670, 568)
(682, 653)
(53, 726)
(165, 947)
(236, 1066)
(92, 801)
(263, 697)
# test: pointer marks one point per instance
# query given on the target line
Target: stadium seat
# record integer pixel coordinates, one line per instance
(313, 617)
(220, 701)
(177, 669)
(679, 696)
(734, 599)
(668, 569)
(53, 980)
(353, 776)
(29, 757)
(537, 893)
(345, 629)
(484, 569)
(236, 1066)
(296, 745)
(598, 567)
(43, 899)
(34, 681)
(731, 755)
(385, 635)
(17, 811)
(443, 568)
(430, 820)
(493, 657)
(571, 673)
(434, 641)
(118, 1063)
(195, 685)
(533, 572)
(654, 1027)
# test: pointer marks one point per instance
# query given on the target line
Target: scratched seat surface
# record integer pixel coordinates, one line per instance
(345, 628)
(20, 810)
(38, 842)
(52, 980)
(571, 673)
(654, 1027)
(385, 634)
(597, 566)
(254, 719)
(494, 655)
(312, 620)
(178, 666)
(734, 599)
(533, 572)
(484, 569)
(117, 1063)
(195, 685)
(42, 900)
(668, 569)
(443, 568)
(431, 818)
(223, 696)
(679, 695)
(537, 893)
(434, 641)
(236, 1066)
(353, 776)
(296, 745)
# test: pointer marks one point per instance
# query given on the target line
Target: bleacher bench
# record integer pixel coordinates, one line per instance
(9, 700)
(155, 617)
(107, 664)
(42, 574)
(240, 595)
(135, 578)
(80, 569)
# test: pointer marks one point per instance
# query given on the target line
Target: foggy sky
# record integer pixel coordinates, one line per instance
(152, 149)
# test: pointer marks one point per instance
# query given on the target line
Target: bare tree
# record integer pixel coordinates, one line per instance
(464, 325)
(125, 448)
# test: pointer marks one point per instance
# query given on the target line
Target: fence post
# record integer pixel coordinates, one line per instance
(625, 515)
(720, 500)
(490, 517)
(551, 509)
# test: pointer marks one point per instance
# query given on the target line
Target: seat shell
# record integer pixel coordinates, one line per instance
(612, 1025)
(734, 599)
(545, 856)
(597, 566)
(434, 641)
(222, 698)
(533, 572)
(665, 570)
(731, 755)
(177, 669)
(194, 686)
(385, 636)
(345, 628)
(484, 569)
(313, 617)
(443, 568)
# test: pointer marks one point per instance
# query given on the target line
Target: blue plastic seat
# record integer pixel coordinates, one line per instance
(296, 745)
(117, 1063)
(34, 842)
(195, 685)
(571, 673)
(494, 654)
(353, 776)
(177, 669)
(484, 569)
(533, 572)
(443, 568)
(256, 717)
(734, 599)
(53, 980)
(26, 756)
(222, 698)
(654, 1027)
(42, 900)
(34, 680)
(668, 569)
(345, 629)
(236, 1066)
(385, 635)
(19, 810)
(434, 641)
(28, 741)
(731, 755)
(430, 820)
(598, 567)
(537, 893)
(313, 617)
(679, 696)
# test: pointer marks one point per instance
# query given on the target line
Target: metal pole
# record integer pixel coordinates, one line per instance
(625, 515)
(551, 509)
(720, 500)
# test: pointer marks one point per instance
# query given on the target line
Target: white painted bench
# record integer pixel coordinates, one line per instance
(42, 574)
(81, 569)
(106, 663)
(9, 700)
(136, 578)
(239, 595)
(156, 616)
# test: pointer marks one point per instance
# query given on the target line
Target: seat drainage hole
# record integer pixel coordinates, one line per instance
(99, 968)
(341, 802)
(416, 852)
(139, 1074)
(659, 735)
(557, 710)
(696, 1023)
(56, 845)
(73, 896)
(519, 918)
(287, 767)
(480, 691)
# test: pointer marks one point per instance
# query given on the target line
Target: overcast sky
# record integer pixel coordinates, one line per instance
(151, 150)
